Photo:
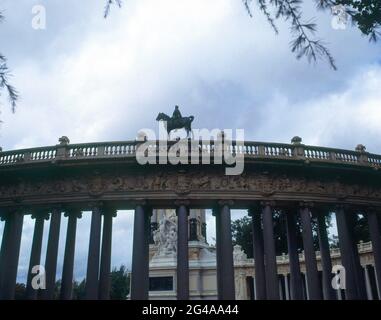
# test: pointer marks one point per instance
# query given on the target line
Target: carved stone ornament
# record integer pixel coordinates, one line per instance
(263, 184)
(165, 237)
(63, 141)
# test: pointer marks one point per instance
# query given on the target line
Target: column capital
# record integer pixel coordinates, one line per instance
(228, 203)
(77, 213)
(110, 210)
(14, 209)
(57, 207)
(96, 204)
(139, 202)
(44, 215)
(4, 215)
(306, 205)
(372, 209)
(254, 208)
(265, 203)
(8, 212)
(341, 206)
(182, 202)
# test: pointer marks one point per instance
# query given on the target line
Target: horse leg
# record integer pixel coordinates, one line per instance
(189, 130)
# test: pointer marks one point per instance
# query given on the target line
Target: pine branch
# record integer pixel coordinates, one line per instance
(263, 7)
(109, 3)
(303, 45)
(4, 79)
(4, 83)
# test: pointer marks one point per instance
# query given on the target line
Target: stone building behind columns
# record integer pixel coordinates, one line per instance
(202, 262)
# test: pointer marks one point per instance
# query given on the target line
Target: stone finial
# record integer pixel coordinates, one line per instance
(360, 148)
(296, 140)
(64, 141)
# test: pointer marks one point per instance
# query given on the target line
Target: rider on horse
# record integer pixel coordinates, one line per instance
(176, 113)
(177, 121)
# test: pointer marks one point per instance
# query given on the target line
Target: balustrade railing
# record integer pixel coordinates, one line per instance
(250, 149)
(363, 247)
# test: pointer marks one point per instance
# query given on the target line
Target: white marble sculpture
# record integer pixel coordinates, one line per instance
(165, 237)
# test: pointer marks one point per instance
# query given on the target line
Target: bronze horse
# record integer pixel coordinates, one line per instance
(172, 124)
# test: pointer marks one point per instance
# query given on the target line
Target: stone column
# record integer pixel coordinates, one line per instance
(35, 255)
(105, 263)
(309, 252)
(346, 243)
(11, 252)
(374, 230)
(286, 287)
(339, 294)
(293, 255)
(258, 254)
(182, 250)
(272, 290)
(360, 278)
(280, 280)
(216, 214)
(325, 255)
(368, 286)
(306, 287)
(92, 274)
(153, 226)
(52, 254)
(226, 290)
(5, 216)
(203, 231)
(193, 229)
(140, 251)
(68, 265)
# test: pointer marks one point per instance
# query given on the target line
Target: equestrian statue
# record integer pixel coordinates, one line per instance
(177, 121)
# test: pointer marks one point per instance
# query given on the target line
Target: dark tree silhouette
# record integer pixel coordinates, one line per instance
(20, 291)
(243, 236)
(119, 290)
(365, 14)
(79, 290)
(120, 283)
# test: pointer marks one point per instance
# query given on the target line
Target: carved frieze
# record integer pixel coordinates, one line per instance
(186, 182)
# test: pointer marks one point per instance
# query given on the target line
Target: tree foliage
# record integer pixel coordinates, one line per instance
(20, 291)
(365, 14)
(120, 283)
(79, 290)
(243, 236)
(119, 290)
(4, 78)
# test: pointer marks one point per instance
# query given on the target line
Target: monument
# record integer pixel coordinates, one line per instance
(177, 121)
(295, 180)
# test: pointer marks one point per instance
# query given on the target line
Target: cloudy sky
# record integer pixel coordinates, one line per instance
(93, 79)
